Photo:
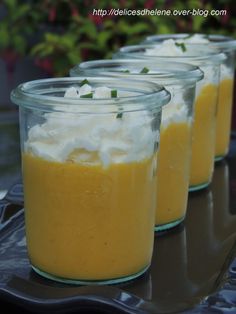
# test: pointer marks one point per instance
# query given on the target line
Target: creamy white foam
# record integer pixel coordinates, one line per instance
(226, 72)
(166, 48)
(174, 112)
(93, 138)
(194, 39)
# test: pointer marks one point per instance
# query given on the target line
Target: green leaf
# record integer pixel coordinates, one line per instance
(21, 11)
(103, 38)
(197, 23)
(11, 4)
(42, 50)
(52, 38)
(19, 43)
(68, 41)
(89, 29)
(109, 24)
(4, 35)
(138, 28)
(74, 56)
(88, 45)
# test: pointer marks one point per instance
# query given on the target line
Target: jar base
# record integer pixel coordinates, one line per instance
(89, 282)
(170, 225)
(198, 187)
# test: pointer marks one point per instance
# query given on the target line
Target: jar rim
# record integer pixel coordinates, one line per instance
(219, 41)
(169, 71)
(36, 95)
(210, 55)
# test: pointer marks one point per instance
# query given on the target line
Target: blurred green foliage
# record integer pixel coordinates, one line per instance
(61, 33)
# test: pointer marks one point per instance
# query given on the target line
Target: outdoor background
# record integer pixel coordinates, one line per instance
(57, 34)
(45, 38)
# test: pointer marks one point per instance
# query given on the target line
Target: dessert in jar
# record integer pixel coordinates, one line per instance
(226, 84)
(89, 160)
(205, 108)
(176, 127)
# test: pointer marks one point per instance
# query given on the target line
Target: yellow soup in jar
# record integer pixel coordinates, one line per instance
(88, 222)
(223, 117)
(173, 173)
(203, 144)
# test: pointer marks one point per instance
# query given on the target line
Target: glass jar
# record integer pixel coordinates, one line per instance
(204, 125)
(89, 177)
(226, 85)
(175, 137)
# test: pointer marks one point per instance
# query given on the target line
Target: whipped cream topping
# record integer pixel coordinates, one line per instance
(93, 138)
(174, 112)
(169, 48)
(194, 39)
(166, 48)
(99, 92)
(226, 72)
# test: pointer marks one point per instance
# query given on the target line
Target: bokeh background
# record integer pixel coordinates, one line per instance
(45, 38)
(41, 38)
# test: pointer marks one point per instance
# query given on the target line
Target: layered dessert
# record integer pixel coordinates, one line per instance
(173, 165)
(204, 132)
(174, 150)
(204, 123)
(226, 84)
(225, 99)
(224, 111)
(89, 183)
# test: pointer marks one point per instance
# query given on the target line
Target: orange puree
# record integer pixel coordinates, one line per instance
(203, 145)
(173, 172)
(223, 118)
(88, 222)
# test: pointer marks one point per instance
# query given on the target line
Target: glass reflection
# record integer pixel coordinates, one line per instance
(170, 284)
(224, 218)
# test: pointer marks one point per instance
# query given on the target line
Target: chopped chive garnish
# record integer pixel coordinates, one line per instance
(90, 95)
(113, 93)
(119, 115)
(144, 70)
(126, 71)
(181, 45)
(85, 81)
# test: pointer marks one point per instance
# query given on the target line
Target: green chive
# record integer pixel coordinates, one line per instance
(113, 93)
(144, 70)
(85, 81)
(181, 45)
(119, 115)
(90, 95)
(126, 71)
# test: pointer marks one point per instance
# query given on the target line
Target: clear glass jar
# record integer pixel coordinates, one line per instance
(176, 127)
(226, 85)
(204, 125)
(89, 177)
